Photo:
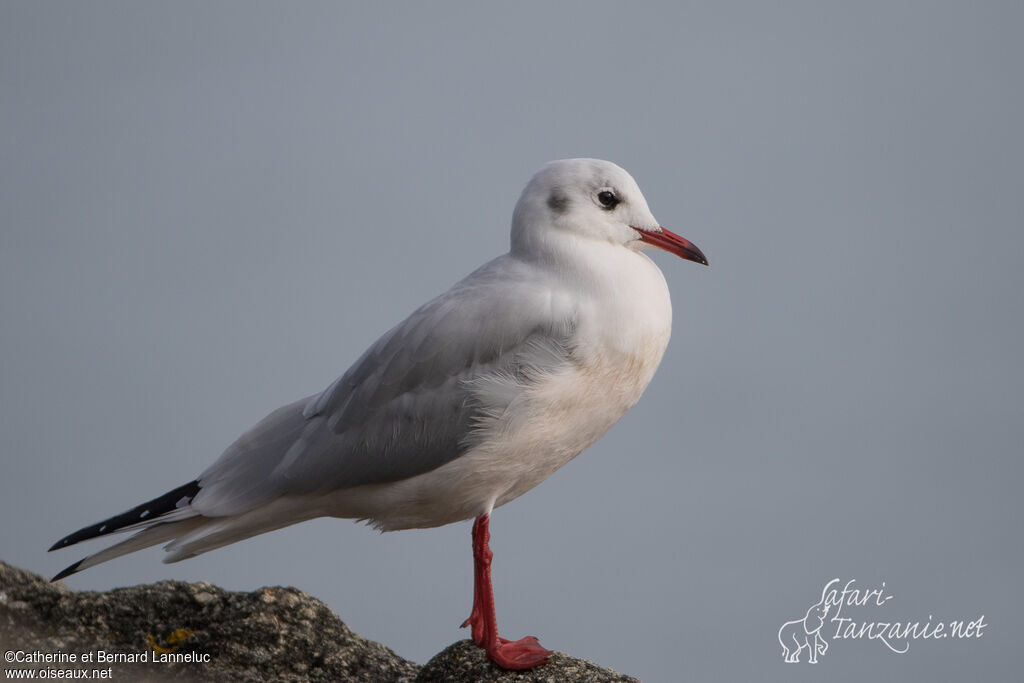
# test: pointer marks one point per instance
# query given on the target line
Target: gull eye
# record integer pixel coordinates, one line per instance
(608, 199)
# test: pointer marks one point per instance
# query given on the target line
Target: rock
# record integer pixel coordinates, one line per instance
(464, 661)
(173, 630)
(277, 634)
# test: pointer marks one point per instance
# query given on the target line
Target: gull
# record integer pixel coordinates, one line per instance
(471, 401)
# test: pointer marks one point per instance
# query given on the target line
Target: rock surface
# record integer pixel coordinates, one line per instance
(464, 661)
(199, 632)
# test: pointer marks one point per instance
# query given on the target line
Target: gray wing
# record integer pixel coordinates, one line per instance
(412, 402)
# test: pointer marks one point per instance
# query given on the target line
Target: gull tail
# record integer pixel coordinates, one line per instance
(158, 520)
(173, 504)
(162, 531)
(172, 518)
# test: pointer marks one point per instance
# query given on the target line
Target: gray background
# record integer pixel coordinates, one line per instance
(209, 210)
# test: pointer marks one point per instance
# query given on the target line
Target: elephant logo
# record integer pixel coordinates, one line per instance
(798, 634)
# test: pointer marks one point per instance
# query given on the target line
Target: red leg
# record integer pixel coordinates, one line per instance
(481, 555)
(525, 653)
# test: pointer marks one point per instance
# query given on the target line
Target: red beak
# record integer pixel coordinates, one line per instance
(673, 243)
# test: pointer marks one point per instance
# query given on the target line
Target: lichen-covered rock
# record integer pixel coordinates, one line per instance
(278, 634)
(464, 661)
(198, 632)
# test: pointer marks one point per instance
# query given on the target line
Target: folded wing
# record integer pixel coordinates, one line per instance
(411, 403)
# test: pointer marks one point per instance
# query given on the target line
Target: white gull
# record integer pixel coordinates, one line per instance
(471, 401)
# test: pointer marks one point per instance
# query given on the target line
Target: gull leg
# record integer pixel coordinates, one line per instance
(525, 653)
(476, 617)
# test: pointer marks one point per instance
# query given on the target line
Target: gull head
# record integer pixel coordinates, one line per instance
(589, 199)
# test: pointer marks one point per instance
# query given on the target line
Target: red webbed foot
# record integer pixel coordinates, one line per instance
(518, 655)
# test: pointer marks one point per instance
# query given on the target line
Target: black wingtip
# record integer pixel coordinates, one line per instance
(59, 544)
(64, 542)
(150, 510)
(73, 569)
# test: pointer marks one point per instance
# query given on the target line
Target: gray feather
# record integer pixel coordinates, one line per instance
(411, 403)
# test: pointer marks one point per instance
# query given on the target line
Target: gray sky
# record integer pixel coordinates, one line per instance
(210, 209)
